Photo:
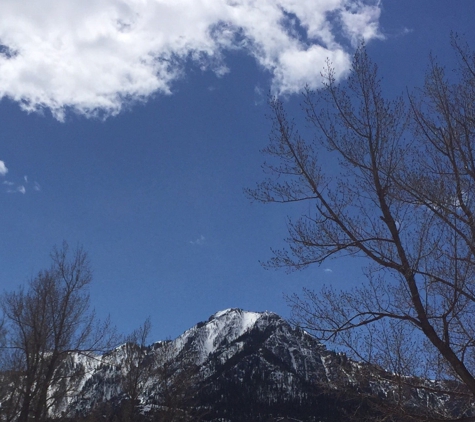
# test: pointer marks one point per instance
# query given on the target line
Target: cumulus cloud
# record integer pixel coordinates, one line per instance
(95, 56)
(3, 168)
(361, 21)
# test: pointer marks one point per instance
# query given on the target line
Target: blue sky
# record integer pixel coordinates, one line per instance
(132, 128)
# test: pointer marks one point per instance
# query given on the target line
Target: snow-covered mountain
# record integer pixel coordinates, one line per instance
(236, 366)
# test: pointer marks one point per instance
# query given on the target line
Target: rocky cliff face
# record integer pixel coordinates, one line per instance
(237, 366)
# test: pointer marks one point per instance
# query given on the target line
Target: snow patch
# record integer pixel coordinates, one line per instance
(226, 325)
(248, 320)
(221, 313)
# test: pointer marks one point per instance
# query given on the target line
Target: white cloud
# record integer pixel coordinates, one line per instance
(16, 189)
(94, 56)
(3, 168)
(13, 187)
(198, 241)
(327, 270)
(360, 21)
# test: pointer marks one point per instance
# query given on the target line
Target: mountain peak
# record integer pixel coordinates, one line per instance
(248, 317)
(223, 326)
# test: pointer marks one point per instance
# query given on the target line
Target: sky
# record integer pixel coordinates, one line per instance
(131, 127)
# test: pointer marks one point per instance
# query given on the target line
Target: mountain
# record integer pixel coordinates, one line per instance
(236, 366)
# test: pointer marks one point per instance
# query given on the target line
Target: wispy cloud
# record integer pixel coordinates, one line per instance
(327, 270)
(20, 187)
(198, 241)
(12, 188)
(259, 96)
(94, 57)
(399, 32)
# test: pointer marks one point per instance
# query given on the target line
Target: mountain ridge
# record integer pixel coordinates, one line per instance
(236, 366)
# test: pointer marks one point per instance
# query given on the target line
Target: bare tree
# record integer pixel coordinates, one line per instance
(177, 384)
(404, 200)
(137, 369)
(9, 398)
(48, 322)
